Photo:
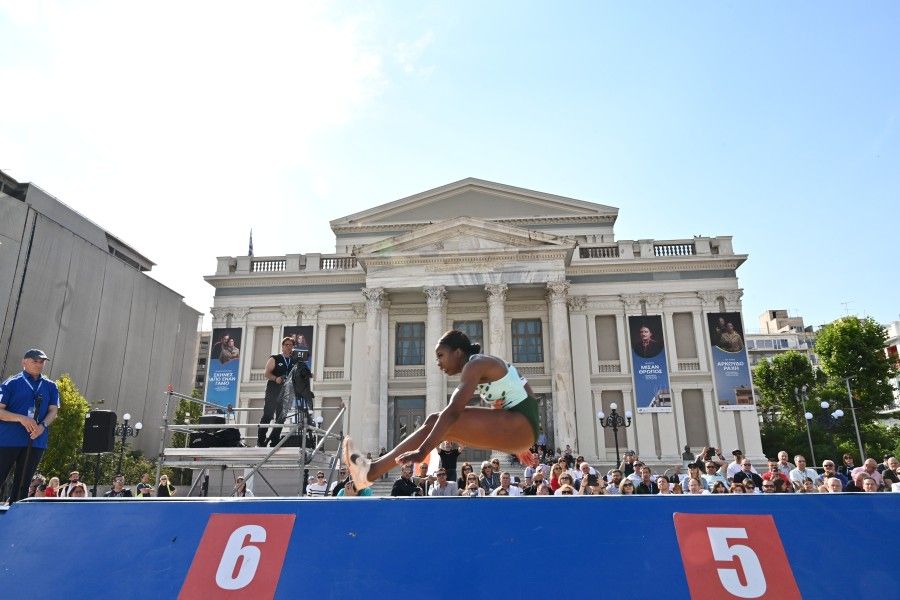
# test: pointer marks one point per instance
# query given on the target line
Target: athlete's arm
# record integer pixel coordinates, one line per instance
(470, 376)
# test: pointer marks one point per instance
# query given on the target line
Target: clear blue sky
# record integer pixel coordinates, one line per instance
(774, 123)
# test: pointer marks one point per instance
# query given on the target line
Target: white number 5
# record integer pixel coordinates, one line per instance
(236, 550)
(723, 551)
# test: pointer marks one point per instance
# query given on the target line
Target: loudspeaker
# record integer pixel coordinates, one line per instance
(99, 431)
(204, 434)
(216, 438)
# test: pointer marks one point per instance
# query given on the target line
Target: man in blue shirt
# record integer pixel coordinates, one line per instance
(29, 402)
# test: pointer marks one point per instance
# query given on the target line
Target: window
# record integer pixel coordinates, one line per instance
(527, 341)
(410, 344)
(473, 329)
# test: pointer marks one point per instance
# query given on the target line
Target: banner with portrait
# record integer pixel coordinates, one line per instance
(303, 342)
(224, 366)
(651, 371)
(731, 369)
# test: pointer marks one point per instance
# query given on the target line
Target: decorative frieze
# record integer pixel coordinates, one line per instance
(577, 303)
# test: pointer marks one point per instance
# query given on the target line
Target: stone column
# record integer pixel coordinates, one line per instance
(368, 441)
(496, 319)
(435, 383)
(561, 364)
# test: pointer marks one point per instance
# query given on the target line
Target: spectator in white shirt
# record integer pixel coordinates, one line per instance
(736, 465)
(712, 475)
(505, 484)
(801, 473)
(319, 488)
(784, 465)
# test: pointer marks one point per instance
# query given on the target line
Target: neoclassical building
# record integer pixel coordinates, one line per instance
(536, 278)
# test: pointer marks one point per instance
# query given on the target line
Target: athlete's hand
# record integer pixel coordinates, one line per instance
(415, 456)
(497, 404)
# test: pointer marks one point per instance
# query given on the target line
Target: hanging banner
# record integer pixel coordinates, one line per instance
(223, 373)
(731, 369)
(651, 372)
(303, 342)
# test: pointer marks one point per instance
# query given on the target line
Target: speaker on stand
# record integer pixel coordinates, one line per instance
(99, 437)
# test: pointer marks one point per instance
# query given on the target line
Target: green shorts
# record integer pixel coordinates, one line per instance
(529, 408)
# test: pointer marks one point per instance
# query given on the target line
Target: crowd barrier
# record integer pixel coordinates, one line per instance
(778, 546)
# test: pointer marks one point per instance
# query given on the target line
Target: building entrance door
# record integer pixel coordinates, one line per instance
(409, 414)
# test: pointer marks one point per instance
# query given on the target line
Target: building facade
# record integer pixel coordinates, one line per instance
(538, 279)
(83, 296)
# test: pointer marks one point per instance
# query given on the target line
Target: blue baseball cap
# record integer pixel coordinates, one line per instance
(35, 353)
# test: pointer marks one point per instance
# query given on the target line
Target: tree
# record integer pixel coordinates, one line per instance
(779, 382)
(189, 412)
(67, 432)
(853, 349)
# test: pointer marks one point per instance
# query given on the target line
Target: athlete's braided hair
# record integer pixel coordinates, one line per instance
(457, 340)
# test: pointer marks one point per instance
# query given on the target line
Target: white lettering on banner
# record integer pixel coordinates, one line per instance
(755, 585)
(238, 549)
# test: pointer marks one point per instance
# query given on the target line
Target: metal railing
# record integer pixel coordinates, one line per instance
(304, 454)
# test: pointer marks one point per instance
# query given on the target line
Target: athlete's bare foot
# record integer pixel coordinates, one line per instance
(357, 464)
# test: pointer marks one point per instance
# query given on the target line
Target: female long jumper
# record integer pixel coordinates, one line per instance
(511, 425)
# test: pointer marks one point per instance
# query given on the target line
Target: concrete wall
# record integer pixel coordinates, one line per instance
(121, 336)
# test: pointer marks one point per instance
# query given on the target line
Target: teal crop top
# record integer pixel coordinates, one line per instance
(510, 388)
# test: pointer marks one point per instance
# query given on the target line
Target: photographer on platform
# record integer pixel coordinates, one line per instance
(277, 368)
(28, 405)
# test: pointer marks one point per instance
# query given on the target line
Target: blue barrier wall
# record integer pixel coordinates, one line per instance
(835, 546)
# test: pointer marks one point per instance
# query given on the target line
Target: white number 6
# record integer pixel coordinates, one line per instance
(723, 551)
(238, 547)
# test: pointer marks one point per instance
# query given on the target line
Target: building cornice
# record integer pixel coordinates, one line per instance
(657, 265)
(285, 279)
(518, 222)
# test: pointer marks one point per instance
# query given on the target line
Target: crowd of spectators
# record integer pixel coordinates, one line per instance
(564, 474)
(41, 487)
(708, 473)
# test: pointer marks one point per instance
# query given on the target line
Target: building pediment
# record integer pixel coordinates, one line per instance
(483, 200)
(464, 236)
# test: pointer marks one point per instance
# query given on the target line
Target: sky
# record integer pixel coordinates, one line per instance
(179, 126)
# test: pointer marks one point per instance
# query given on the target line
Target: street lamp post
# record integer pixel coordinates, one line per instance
(614, 420)
(125, 430)
(801, 395)
(862, 451)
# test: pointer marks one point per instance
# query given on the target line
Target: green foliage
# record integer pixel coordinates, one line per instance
(189, 412)
(854, 348)
(849, 347)
(134, 464)
(779, 382)
(67, 431)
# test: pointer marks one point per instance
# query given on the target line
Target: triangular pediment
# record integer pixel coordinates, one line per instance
(483, 200)
(464, 236)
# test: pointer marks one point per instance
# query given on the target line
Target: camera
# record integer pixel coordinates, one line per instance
(300, 354)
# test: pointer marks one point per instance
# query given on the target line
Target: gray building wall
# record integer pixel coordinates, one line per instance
(122, 336)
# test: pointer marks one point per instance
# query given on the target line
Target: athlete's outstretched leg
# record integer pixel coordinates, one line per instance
(477, 427)
(364, 471)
